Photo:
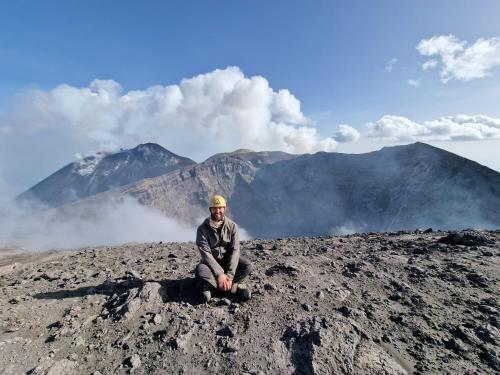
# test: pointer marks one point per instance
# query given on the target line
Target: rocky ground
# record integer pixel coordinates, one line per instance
(394, 303)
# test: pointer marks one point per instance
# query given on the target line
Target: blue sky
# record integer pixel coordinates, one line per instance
(333, 56)
(330, 54)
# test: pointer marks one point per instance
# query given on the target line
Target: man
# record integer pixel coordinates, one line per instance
(221, 265)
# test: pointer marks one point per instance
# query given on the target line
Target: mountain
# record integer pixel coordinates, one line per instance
(184, 193)
(402, 187)
(104, 171)
(374, 303)
(273, 194)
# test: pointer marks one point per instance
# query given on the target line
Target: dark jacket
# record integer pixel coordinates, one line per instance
(220, 248)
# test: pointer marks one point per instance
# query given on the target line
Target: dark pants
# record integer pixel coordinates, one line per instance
(204, 273)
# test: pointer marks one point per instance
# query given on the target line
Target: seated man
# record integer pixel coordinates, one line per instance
(221, 265)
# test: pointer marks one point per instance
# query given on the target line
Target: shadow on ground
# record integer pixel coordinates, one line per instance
(171, 290)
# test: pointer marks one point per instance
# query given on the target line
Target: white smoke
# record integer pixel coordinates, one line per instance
(39, 228)
(344, 229)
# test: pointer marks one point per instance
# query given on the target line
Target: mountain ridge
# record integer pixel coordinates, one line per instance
(395, 188)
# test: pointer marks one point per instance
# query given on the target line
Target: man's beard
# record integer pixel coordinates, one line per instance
(214, 218)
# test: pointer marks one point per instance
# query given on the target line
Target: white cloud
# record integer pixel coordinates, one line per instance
(218, 111)
(389, 67)
(430, 64)
(440, 45)
(450, 128)
(391, 127)
(346, 133)
(458, 60)
(414, 82)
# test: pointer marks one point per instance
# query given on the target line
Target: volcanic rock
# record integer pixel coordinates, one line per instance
(467, 238)
(403, 312)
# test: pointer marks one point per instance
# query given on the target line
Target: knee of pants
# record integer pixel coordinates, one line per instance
(202, 269)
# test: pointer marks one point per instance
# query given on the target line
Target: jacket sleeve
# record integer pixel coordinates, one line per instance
(206, 253)
(234, 257)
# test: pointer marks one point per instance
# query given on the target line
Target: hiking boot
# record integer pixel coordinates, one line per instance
(206, 293)
(242, 291)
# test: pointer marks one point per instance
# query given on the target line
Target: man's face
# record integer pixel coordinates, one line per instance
(217, 213)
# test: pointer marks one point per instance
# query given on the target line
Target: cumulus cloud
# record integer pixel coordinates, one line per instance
(218, 111)
(414, 82)
(389, 67)
(346, 133)
(460, 61)
(450, 128)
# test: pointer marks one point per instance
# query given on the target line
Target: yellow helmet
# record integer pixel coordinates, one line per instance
(217, 201)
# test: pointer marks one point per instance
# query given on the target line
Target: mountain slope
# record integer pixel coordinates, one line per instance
(183, 193)
(402, 187)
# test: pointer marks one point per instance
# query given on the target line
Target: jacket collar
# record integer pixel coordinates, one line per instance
(208, 221)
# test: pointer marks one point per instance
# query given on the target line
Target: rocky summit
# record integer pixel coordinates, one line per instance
(421, 302)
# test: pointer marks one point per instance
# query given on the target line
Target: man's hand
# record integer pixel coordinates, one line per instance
(224, 282)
